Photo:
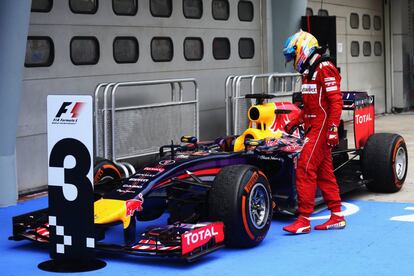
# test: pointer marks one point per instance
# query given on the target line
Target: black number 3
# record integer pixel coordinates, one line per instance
(78, 174)
(75, 214)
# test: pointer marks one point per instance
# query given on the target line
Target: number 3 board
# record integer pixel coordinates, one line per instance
(70, 176)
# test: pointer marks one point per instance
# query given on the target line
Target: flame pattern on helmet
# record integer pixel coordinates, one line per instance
(299, 47)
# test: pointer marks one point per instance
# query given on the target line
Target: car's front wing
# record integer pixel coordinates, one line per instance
(185, 241)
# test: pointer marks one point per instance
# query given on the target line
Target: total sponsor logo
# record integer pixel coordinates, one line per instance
(64, 116)
(200, 236)
(361, 119)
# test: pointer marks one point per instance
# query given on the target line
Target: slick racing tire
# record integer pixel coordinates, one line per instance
(385, 162)
(104, 172)
(241, 198)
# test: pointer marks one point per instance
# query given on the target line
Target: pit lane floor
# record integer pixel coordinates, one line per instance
(377, 240)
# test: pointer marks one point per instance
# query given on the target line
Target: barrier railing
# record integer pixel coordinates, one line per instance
(279, 84)
(127, 131)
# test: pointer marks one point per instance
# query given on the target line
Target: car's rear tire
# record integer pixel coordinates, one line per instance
(241, 198)
(104, 172)
(385, 162)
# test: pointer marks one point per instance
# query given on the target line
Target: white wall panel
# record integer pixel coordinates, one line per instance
(365, 73)
(63, 77)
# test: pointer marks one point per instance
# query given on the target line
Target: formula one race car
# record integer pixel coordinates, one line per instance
(226, 191)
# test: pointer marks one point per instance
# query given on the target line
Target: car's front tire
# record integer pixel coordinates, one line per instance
(104, 174)
(241, 198)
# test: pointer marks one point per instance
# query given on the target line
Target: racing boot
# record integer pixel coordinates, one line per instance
(334, 222)
(300, 226)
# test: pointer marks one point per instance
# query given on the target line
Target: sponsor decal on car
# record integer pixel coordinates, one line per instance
(138, 180)
(360, 119)
(272, 158)
(166, 162)
(364, 125)
(125, 191)
(201, 236)
(151, 245)
(183, 156)
(271, 142)
(42, 231)
(154, 169)
(132, 186)
(144, 174)
(292, 148)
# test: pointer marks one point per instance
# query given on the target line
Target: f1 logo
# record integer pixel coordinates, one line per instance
(75, 110)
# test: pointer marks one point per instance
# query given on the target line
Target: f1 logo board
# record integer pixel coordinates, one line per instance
(70, 177)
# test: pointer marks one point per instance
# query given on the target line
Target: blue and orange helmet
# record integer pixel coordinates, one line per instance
(299, 47)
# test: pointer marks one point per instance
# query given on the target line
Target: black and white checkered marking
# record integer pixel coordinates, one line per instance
(60, 231)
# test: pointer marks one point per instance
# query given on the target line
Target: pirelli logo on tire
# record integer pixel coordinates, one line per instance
(251, 182)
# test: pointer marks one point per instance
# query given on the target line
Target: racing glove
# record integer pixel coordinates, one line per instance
(291, 126)
(294, 122)
(332, 137)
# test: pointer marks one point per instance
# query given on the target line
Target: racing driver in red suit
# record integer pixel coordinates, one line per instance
(322, 99)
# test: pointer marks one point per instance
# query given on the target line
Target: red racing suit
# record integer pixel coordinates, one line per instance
(322, 99)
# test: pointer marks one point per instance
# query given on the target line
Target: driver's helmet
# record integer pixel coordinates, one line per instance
(299, 47)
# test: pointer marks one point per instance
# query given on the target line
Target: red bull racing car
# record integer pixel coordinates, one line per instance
(225, 192)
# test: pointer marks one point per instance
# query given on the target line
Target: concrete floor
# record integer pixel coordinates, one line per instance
(402, 124)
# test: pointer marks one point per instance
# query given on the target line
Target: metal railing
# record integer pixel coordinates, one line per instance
(129, 131)
(279, 84)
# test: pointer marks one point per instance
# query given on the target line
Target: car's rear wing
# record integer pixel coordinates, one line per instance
(364, 113)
